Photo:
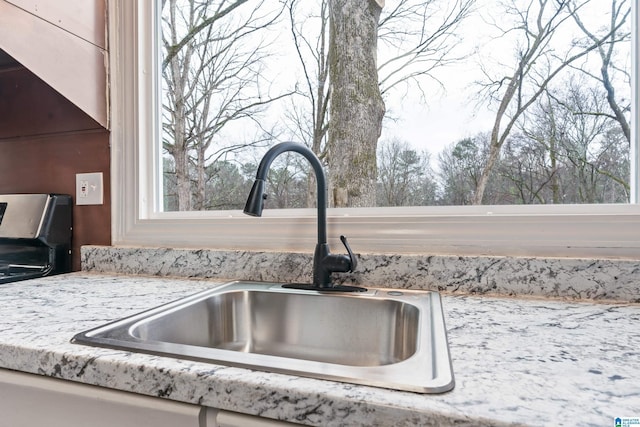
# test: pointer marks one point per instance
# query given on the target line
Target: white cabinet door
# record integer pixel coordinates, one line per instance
(33, 401)
(234, 419)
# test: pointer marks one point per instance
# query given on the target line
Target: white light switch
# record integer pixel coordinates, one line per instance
(89, 188)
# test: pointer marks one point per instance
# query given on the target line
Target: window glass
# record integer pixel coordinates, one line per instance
(484, 102)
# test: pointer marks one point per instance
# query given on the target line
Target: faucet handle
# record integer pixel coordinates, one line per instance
(352, 257)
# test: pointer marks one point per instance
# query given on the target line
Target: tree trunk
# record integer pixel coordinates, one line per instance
(180, 146)
(357, 107)
(199, 197)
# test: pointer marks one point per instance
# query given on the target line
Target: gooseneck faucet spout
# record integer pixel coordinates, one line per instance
(324, 263)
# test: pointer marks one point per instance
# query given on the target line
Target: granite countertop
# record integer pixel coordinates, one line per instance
(516, 361)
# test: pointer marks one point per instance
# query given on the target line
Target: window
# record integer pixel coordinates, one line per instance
(447, 74)
(540, 230)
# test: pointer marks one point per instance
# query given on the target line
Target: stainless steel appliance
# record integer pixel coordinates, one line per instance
(35, 235)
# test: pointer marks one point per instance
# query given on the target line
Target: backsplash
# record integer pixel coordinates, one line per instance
(589, 279)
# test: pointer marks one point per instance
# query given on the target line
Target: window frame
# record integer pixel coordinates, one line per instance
(595, 231)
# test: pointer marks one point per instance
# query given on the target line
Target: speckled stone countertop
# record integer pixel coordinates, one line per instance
(516, 361)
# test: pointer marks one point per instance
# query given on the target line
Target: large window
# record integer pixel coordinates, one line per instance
(530, 108)
(185, 153)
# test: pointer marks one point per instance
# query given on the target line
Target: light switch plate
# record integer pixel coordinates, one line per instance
(89, 190)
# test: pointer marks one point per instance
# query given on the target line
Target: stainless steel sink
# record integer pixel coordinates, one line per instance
(382, 337)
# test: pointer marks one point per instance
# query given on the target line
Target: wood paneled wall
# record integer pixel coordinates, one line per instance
(45, 141)
(63, 43)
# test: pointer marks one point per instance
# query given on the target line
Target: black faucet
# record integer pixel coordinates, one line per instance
(324, 262)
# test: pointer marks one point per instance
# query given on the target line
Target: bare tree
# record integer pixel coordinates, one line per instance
(175, 140)
(459, 167)
(404, 175)
(310, 34)
(357, 107)
(566, 148)
(178, 43)
(227, 187)
(587, 140)
(537, 64)
(213, 79)
(533, 157)
(525, 165)
(418, 37)
(617, 32)
(286, 180)
(312, 52)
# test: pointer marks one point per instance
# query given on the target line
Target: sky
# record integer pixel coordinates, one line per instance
(435, 123)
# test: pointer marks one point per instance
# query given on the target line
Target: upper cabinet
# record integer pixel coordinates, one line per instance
(64, 44)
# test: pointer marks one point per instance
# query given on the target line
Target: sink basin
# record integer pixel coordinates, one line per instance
(382, 337)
